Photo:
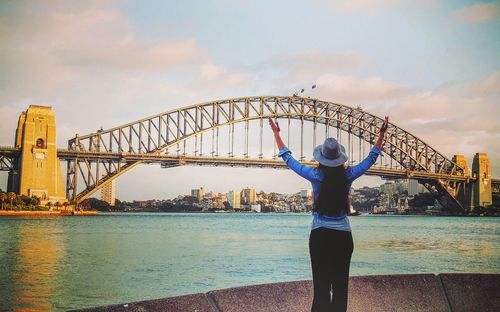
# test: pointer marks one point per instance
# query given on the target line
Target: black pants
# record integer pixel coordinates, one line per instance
(330, 252)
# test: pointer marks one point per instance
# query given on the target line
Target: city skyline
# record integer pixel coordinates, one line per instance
(412, 186)
(436, 74)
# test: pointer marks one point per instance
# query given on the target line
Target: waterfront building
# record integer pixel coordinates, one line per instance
(234, 199)
(388, 187)
(255, 207)
(198, 193)
(306, 193)
(248, 196)
(108, 193)
(413, 188)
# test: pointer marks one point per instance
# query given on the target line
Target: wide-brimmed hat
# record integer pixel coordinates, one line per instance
(330, 153)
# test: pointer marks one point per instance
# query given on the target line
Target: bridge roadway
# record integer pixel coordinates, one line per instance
(171, 160)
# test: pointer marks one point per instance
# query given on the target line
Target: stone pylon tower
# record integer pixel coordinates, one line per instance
(482, 192)
(464, 194)
(39, 169)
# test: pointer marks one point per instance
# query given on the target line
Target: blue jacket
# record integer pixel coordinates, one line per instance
(315, 176)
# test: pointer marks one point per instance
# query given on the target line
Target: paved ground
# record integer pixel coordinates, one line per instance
(412, 292)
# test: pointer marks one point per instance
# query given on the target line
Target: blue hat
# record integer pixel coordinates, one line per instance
(330, 153)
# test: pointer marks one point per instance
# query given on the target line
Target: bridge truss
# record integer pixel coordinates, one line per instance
(8, 158)
(233, 132)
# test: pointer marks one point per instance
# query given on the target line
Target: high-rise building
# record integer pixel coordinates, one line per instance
(108, 192)
(413, 187)
(248, 196)
(388, 188)
(234, 199)
(198, 193)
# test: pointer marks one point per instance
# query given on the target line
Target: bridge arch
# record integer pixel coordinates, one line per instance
(155, 134)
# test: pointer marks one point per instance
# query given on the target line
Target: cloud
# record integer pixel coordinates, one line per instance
(458, 118)
(371, 5)
(8, 125)
(311, 63)
(218, 78)
(479, 13)
(288, 73)
(354, 91)
(133, 55)
(60, 45)
(88, 59)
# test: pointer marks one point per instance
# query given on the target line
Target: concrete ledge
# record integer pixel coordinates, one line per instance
(413, 292)
(195, 302)
(472, 292)
(416, 292)
(290, 296)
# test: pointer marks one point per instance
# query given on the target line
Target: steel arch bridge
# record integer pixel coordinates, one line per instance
(94, 160)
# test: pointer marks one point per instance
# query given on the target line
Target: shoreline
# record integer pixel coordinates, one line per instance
(58, 213)
(444, 214)
(42, 213)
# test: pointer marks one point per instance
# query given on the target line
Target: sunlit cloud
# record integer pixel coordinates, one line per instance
(88, 58)
(355, 91)
(372, 5)
(216, 79)
(458, 118)
(479, 13)
(309, 64)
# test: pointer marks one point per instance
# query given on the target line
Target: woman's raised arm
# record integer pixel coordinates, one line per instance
(304, 171)
(381, 135)
(276, 130)
(356, 171)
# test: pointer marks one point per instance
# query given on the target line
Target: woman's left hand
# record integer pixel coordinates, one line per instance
(385, 125)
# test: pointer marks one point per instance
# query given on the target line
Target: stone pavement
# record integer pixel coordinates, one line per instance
(411, 292)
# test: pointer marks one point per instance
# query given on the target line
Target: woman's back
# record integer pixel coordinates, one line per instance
(330, 243)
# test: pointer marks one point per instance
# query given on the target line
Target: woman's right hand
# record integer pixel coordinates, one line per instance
(274, 126)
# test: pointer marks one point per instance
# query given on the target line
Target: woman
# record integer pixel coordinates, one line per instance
(330, 241)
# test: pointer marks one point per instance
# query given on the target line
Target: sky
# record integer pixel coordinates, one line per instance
(431, 65)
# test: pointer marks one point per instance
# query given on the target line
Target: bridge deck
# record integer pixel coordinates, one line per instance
(169, 160)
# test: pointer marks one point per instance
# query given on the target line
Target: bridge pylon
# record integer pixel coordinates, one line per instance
(463, 193)
(38, 169)
(482, 188)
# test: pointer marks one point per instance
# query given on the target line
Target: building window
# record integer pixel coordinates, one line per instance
(40, 143)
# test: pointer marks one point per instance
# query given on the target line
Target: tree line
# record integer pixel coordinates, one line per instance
(12, 201)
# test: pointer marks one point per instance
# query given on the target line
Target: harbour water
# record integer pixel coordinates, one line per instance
(61, 263)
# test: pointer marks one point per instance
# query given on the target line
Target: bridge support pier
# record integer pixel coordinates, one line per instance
(481, 188)
(13, 180)
(38, 170)
(464, 190)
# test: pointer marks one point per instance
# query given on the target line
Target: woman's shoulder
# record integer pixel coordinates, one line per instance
(317, 172)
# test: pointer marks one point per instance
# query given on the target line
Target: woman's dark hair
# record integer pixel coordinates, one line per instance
(333, 193)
